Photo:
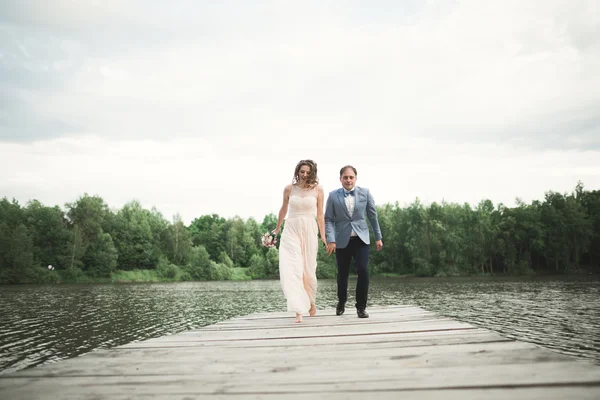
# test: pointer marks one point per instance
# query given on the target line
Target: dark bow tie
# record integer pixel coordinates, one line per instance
(346, 192)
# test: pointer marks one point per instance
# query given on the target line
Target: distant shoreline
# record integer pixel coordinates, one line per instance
(240, 274)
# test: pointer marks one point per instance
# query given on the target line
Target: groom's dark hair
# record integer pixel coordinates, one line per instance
(345, 167)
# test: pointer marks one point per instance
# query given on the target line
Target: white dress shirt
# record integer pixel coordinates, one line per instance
(350, 203)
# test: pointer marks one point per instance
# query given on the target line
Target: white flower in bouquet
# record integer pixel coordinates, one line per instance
(269, 240)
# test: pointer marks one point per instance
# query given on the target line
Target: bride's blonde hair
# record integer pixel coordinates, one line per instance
(312, 179)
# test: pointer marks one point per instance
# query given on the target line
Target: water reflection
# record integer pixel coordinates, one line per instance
(40, 324)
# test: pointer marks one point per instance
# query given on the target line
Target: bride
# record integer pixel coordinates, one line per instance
(303, 205)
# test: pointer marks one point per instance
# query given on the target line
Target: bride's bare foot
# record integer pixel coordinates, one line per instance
(298, 317)
(312, 311)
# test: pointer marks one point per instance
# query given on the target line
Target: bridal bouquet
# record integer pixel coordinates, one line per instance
(269, 240)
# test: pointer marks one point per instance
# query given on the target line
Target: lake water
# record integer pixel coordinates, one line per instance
(42, 324)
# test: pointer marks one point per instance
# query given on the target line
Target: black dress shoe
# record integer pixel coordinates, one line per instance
(339, 310)
(362, 314)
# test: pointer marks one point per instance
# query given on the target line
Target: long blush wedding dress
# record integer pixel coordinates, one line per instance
(298, 250)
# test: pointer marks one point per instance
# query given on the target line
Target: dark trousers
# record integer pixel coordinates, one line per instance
(358, 250)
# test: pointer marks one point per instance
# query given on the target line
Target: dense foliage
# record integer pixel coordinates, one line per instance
(558, 235)
(88, 240)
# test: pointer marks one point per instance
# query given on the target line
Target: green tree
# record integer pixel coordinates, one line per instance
(580, 228)
(568, 231)
(591, 204)
(17, 251)
(393, 224)
(91, 214)
(16, 257)
(257, 267)
(179, 242)
(209, 231)
(272, 265)
(417, 239)
(252, 238)
(101, 257)
(269, 223)
(485, 236)
(225, 260)
(134, 238)
(89, 218)
(235, 243)
(201, 267)
(161, 231)
(76, 247)
(50, 234)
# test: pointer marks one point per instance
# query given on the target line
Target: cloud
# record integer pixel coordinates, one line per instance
(467, 70)
(198, 176)
(444, 99)
(20, 123)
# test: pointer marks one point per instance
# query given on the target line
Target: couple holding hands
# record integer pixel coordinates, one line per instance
(343, 229)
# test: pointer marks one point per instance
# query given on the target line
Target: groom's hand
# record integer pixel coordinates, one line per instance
(330, 248)
(379, 245)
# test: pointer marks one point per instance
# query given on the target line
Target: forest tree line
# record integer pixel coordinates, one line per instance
(89, 241)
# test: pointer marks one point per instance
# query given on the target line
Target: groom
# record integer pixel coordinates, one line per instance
(346, 215)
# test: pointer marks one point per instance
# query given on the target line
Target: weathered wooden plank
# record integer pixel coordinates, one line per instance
(316, 331)
(427, 338)
(317, 321)
(145, 362)
(309, 380)
(527, 393)
(350, 314)
(349, 310)
(328, 348)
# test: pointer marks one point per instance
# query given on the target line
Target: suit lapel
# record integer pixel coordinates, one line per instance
(357, 198)
(340, 195)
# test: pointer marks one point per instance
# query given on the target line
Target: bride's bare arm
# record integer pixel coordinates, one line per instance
(320, 214)
(284, 207)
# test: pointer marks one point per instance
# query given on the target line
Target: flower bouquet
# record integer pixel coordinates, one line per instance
(269, 240)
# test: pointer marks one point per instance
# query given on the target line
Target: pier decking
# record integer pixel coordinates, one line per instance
(400, 352)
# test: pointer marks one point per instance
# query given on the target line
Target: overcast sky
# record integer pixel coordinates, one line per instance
(201, 107)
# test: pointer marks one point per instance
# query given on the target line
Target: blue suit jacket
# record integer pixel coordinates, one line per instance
(339, 224)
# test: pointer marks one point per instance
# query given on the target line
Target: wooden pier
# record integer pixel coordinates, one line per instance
(400, 352)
